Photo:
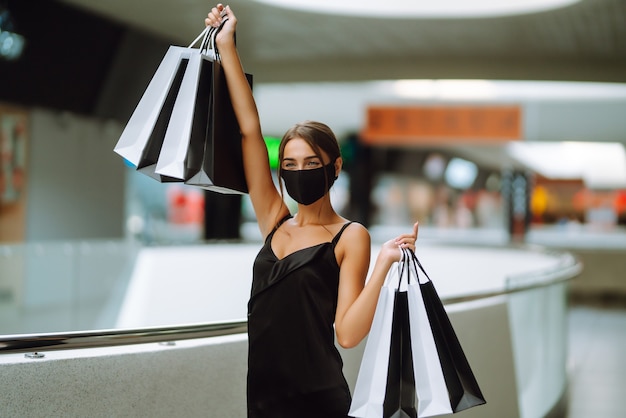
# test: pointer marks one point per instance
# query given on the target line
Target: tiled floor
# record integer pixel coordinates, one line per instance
(597, 362)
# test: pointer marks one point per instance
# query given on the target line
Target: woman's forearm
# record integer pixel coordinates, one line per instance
(240, 91)
(353, 324)
(264, 196)
(357, 321)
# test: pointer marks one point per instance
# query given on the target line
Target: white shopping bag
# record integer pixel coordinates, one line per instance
(172, 159)
(444, 380)
(141, 123)
(430, 384)
(369, 390)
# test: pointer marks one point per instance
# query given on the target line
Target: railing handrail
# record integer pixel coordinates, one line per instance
(117, 337)
(28, 343)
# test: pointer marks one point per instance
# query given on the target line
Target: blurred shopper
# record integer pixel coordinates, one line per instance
(311, 272)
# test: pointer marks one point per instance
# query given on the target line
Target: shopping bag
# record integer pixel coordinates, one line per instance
(430, 385)
(413, 364)
(172, 156)
(215, 159)
(461, 389)
(152, 149)
(400, 398)
(163, 85)
(142, 139)
(370, 387)
(202, 145)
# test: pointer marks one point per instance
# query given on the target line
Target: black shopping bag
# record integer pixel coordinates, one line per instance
(214, 158)
(400, 398)
(444, 379)
(463, 389)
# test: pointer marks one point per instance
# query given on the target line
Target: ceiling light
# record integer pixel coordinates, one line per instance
(445, 89)
(460, 173)
(11, 44)
(422, 9)
(434, 167)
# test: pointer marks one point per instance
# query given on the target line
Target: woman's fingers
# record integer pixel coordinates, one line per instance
(408, 238)
(407, 241)
(214, 18)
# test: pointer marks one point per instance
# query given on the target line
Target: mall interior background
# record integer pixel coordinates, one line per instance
(69, 94)
(66, 199)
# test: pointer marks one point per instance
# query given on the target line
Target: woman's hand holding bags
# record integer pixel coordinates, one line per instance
(413, 364)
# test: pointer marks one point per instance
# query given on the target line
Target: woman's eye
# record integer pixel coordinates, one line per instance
(290, 165)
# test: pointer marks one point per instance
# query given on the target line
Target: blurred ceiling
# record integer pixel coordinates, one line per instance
(585, 41)
(582, 42)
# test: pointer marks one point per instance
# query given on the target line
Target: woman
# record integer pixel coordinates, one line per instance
(311, 272)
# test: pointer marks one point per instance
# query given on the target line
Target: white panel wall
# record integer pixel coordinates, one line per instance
(75, 183)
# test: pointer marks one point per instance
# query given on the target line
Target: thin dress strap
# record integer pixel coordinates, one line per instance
(343, 228)
(278, 224)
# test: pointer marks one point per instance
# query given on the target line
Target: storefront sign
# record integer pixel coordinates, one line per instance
(397, 125)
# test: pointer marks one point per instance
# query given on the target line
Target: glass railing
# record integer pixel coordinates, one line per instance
(566, 267)
(538, 306)
(63, 286)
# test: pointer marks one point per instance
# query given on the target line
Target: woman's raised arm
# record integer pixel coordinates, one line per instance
(267, 202)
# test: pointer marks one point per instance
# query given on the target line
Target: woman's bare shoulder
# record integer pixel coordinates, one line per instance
(356, 231)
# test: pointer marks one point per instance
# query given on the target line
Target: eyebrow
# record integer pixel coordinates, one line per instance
(312, 157)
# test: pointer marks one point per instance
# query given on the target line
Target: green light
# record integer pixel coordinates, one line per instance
(272, 143)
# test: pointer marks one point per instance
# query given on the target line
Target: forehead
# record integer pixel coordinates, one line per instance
(297, 148)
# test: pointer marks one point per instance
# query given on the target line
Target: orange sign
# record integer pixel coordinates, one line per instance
(420, 124)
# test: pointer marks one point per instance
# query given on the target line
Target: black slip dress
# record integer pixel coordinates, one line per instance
(294, 368)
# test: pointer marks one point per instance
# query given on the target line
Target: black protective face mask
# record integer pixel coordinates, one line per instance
(308, 186)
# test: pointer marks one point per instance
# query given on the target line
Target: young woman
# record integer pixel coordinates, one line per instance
(310, 274)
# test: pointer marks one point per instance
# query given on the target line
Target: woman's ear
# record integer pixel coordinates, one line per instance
(338, 165)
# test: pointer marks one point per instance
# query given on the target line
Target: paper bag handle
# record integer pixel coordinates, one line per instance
(208, 40)
(410, 254)
(204, 35)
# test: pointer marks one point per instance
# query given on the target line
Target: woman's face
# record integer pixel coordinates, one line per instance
(298, 155)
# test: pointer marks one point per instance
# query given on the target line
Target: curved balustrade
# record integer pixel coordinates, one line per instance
(508, 305)
(566, 267)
